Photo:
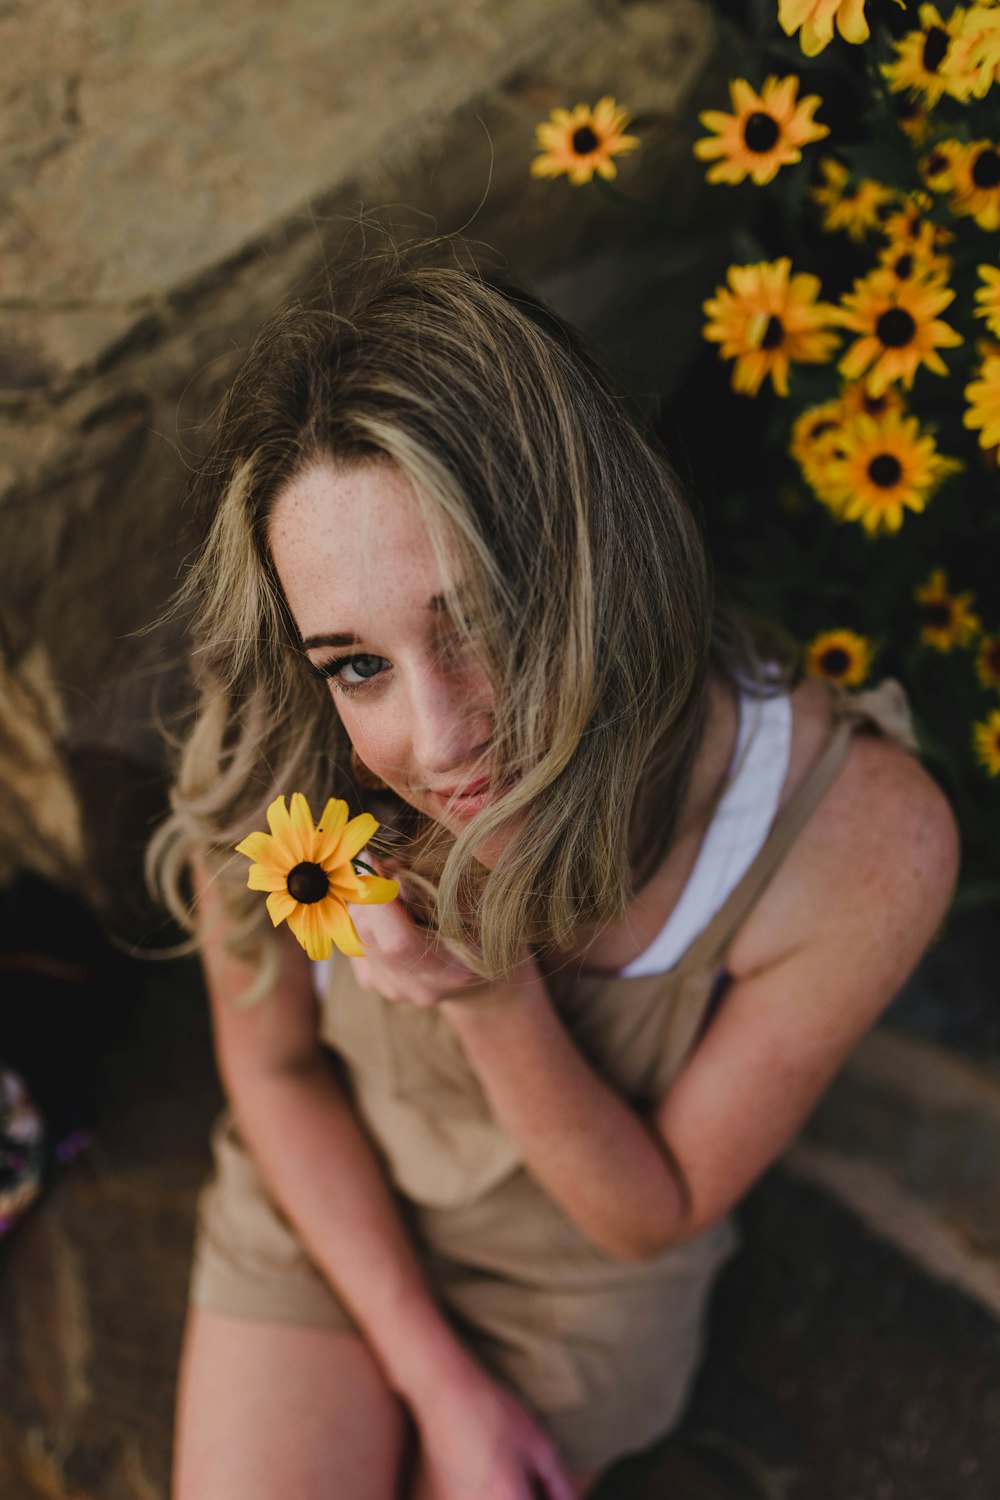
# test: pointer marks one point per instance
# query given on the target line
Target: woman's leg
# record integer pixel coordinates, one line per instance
(267, 1410)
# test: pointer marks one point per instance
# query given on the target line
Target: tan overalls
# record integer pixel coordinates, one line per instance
(602, 1351)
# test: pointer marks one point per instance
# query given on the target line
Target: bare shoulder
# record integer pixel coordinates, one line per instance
(881, 850)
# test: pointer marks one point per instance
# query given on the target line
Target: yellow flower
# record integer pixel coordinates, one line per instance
(988, 661)
(582, 141)
(972, 64)
(814, 442)
(816, 19)
(763, 135)
(983, 396)
(855, 397)
(915, 259)
(913, 119)
(975, 183)
(308, 871)
(898, 327)
(857, 209)
(936, 167)
(767, 320)
(909, 223)
(884, 468)
(947, 619)
(988, 297)
(920, 56)
(839, 656)
(986, 742)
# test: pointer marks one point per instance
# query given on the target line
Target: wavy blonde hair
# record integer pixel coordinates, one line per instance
(587, 596)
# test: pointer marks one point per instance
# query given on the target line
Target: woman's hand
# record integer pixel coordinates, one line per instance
(403, 960)
(476, 1439)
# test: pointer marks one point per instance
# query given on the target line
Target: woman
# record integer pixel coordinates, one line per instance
(472, 1189)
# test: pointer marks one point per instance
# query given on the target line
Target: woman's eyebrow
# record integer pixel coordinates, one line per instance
(438, 603)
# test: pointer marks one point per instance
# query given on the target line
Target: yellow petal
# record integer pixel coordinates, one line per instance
(264, 878)
(373, 890)
(309, 931)
(260, 847)
(286, 845)
(353, 839)
(329, 829)
(281, 905)
(344, 933)
(303, 827)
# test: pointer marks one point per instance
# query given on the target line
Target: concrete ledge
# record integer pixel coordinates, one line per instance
(908, 1137)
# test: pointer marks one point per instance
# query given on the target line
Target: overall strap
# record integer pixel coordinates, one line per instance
(705, 953)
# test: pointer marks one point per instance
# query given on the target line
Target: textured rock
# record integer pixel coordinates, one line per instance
(171, 173)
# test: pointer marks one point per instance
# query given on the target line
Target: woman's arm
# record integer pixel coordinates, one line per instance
(854, 907)
(317, 1160)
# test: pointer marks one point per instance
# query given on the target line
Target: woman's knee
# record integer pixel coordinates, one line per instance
(270, 1409)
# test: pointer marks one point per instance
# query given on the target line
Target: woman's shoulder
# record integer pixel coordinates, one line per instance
(883, 833)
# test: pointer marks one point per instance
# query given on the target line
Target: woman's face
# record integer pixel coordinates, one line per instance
(377, 618)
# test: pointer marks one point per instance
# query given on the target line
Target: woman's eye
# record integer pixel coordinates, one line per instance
(351, 672)
(365, 668)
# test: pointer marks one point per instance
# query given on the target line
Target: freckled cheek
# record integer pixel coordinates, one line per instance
(379, 740)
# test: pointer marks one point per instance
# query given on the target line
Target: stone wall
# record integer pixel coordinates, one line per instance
(171, 171)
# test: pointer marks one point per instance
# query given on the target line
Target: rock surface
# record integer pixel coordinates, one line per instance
(171, 172)
(837, 1370)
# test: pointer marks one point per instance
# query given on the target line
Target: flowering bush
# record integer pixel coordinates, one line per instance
(859, 322)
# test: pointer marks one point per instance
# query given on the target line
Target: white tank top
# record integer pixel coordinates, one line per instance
(736, 833)
(732, 840)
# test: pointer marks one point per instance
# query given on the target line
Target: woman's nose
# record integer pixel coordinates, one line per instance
(452, 723)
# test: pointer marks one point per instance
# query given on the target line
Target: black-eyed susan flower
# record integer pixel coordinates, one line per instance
(920, 56)
(986, 742)
(983, 396)
(764, 133)
(855, 397)
(908, 223)
(915, 259)
(988, 661)
(813, 445)
(857, 208)
(884, 468)
(936, 166)
(972, 64)
(839, 656)
(582, 141)
(309, 874)
(767, 318)
(898, 327)
(814, 21)
(913, 119)
(975, 183)
(947, 620)
(988, 298)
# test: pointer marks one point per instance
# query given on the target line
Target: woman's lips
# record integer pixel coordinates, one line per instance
(467, 804)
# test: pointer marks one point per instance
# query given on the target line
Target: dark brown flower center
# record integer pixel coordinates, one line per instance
(895, 328)
(938, 614)
(935, 163)
(760, 132)
(824, 426)
(992, 658)
(986, 168)
(935, 47)
(874, 404)
(307, 883)
(584, 141)
(773, 334)
(885, 470)
(835, 661)
(904, 267)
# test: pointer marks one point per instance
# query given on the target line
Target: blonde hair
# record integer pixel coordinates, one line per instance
(587, 596)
